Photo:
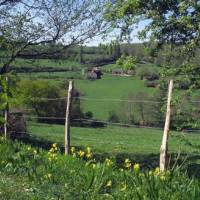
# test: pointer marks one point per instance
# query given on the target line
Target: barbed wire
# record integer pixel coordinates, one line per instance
(119, 124)
(46, 99)
(116, 123)
(37, 117)
(107, 100)
(119, 100)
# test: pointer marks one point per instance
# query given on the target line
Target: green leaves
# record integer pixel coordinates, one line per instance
(127, 62)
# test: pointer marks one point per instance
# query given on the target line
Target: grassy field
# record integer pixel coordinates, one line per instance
(109, 88)
(52, 75)
(42, 63)
(115, 140)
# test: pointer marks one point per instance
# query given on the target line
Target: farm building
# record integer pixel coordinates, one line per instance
(94, 74)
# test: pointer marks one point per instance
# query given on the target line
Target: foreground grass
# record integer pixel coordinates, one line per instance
(28, 173)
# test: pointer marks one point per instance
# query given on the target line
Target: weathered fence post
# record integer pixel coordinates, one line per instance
(6, 111)
(67, 119)
(164, 145)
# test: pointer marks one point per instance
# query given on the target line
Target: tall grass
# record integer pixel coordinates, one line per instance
(28, 173)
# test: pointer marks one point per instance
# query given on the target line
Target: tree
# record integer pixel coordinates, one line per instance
(171, 22)
(127, 62)
(30, 23)
(81, 54)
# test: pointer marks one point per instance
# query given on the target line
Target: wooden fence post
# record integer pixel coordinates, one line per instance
(67, 119)
(164, 145)
(6, 111)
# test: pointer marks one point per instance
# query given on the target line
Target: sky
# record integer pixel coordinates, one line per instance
(134, 35)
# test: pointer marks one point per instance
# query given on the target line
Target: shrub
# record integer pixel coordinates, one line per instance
(16, 125)
(147, 73)
(183, 84)
(151, 84)
(35, 94)
(127, 62)
(113, 117)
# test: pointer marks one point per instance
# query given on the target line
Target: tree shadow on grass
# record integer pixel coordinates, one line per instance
(189, 162)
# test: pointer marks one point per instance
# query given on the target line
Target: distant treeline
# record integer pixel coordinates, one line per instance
(109, 53)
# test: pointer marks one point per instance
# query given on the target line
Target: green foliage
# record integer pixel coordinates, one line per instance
(36, 95)
(127, 62)
(148, 73)
(140, 109)
(38, 175)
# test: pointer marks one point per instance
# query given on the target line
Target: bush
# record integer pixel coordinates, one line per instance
(127, 62)
(35, 94)
(183, 84)
(151, 84)
(113, 117)
(147, 73)
(16, 125)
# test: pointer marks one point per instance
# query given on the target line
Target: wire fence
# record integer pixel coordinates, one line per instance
(31, 115)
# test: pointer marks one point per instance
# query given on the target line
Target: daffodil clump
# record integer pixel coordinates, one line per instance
(48, 176)
(108, 162)
(127, 163)
(87, 154)
(53, 152)
(161, 175)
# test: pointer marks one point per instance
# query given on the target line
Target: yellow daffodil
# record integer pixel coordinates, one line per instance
(54, 145)
(35, 152)
(72, 149)
(88, 155)
(162, 177)
(108, 162)
(49, 175)
(127, 163)
(136, 167)
(88, 149)
(124, 187)
(81, 153)
(150, 173)
(109, 183)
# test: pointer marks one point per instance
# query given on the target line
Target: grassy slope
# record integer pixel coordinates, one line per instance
(45, 63)
(109, 87)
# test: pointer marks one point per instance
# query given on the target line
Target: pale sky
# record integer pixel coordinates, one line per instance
(134, 38)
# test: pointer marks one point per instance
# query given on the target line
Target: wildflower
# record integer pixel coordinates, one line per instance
(88, 149)
(109, 183)
(127, 163)
(51, 150)
(35, 152)
(108, 162)
(124, 187)
(49, 175)
(81, 153)
(54, 145)
(157, 171)
(72, 149)
(88, 155)
(162, 178)
(136, 167)
(93, 165)
(150, 173)
(29, 148)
